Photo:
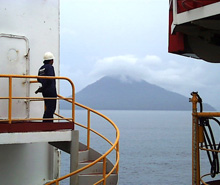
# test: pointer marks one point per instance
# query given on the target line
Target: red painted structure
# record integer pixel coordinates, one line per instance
(188, 38)
(176, 41)
(34, 126)
(186, 5)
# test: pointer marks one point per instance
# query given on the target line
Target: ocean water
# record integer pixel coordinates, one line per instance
(155, 146)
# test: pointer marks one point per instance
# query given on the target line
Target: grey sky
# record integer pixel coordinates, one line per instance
(128, 38)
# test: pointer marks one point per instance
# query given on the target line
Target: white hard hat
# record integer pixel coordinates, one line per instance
(48, 56)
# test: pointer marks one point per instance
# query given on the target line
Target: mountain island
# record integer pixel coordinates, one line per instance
(111, 93)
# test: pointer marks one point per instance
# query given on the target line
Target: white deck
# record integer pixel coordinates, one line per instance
(35, 137)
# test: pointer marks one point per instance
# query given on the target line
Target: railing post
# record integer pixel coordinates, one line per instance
(73, 105)
(117, 151)
(88, 130)
(10, 101)
(104, 170)
(195, 142)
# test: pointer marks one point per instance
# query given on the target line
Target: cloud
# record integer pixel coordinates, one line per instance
(181, 75)
(124, 65)
(178, 76)
(149, 67)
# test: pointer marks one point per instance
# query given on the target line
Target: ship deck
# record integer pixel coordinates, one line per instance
(33, 132)
(34, 126)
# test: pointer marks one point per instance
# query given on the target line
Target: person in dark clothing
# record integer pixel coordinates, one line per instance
(48, 86)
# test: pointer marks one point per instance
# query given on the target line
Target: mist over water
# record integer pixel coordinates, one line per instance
(155, 146)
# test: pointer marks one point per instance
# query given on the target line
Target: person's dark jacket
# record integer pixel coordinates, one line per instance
(48, 85)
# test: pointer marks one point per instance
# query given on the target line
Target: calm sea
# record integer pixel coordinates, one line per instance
(155, 146)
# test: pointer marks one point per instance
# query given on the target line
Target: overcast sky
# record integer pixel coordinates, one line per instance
(129, 38)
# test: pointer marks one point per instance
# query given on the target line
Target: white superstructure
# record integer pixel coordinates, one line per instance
(28, 30)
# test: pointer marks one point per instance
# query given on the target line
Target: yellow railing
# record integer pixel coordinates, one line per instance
(10, 97)
(114, 146)
(198, 138)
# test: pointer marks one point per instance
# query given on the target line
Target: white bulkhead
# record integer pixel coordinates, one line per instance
(29, 28)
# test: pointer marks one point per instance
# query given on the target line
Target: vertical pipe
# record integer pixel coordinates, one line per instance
(104, 170)
(88, 130)
(195, 142)
(10, 100)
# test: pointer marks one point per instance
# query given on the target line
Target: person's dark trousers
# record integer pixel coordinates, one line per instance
(50, 107)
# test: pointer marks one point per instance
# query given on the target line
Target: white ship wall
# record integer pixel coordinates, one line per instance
(38, 22)
(31, 28)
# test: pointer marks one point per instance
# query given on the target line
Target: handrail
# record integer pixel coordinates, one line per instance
(10, 97)
(201, 179)
(114, 146)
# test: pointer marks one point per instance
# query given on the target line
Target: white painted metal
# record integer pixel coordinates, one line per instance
(83, 155)
(25, 164)
(14, 50)
(28, 30)
(38, 21)
(174, 23)
(74, 156)
(35, 137)
(94, 173)
(195, 14)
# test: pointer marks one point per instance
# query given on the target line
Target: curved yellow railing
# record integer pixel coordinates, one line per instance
(114, 146)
